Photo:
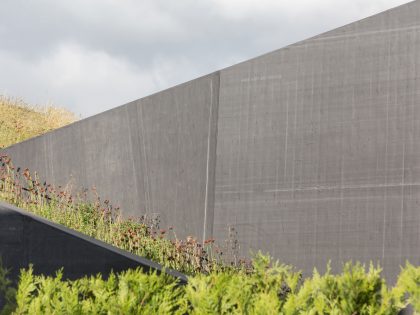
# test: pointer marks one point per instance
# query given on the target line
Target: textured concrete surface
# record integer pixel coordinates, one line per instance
(318, 155)
(310, 152)
(154, 155)
(27, 239)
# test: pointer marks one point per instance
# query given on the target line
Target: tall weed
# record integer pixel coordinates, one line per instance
(87, 213)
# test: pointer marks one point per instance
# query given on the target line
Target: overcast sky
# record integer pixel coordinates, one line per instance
(92, 55)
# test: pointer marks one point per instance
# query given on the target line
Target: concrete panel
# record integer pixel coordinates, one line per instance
(316, 150)
(155, 155)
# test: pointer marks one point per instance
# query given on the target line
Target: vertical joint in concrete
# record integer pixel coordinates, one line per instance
(211, 157)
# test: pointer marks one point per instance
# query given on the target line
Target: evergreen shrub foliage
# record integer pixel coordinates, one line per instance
(271, 288)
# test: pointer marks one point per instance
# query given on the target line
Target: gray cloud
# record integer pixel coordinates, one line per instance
(91, 55)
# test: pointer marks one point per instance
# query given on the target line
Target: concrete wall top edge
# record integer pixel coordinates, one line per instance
(324, 35)
(117, 108)
(346, 27)
(316, 37)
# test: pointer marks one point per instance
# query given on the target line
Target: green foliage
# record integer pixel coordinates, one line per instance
(354, 291)
(131, 292)
(86, 213)
(271, 288)
(408, 285)
(264, 291)
(7, 292)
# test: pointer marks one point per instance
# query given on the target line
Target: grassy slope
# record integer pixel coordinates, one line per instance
(20, 121)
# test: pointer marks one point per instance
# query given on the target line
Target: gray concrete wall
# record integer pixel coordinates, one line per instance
(309, 152)
(318, 153)
(154, 155)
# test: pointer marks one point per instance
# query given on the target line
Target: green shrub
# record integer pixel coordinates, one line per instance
(264, 291)
(7, 292)
(354, 291)
(408, 286)
(271, 288)
(130, 292)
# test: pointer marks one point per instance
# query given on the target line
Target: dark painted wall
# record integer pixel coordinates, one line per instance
(310, 152)
(27, 239)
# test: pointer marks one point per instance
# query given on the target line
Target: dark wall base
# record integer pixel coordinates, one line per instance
(27, 239)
